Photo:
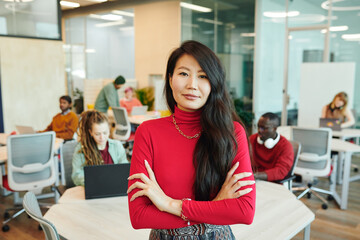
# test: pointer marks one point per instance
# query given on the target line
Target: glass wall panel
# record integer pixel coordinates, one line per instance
(345, 41)
(100, 46)
(269, 72)
(227, 27)
(306, 13)
(30, 18)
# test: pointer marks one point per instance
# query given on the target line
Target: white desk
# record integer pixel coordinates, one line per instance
(347, 149)
(347, 133)
(279, 215)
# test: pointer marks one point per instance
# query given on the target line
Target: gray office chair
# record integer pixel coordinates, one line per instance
(66, 154)
(123, 129)
(314, 159)
(30, 167)
(31, 206)
(287, 181)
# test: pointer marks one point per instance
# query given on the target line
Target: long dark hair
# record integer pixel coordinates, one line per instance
(88, 144)
(217, 146)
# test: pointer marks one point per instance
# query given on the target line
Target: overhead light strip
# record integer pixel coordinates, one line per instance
(195, 7)
(69, 4)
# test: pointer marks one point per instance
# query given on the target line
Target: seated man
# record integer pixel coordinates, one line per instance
(64, 124)
(272, 154)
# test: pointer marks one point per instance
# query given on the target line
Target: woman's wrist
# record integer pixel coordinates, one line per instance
(175, 207)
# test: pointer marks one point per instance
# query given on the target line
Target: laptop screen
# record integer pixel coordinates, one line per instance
(106, 180)
(139, 110)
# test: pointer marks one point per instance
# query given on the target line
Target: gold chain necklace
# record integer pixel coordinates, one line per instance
(177, 127)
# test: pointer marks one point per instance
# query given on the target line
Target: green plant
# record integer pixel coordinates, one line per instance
(246, 116)
(146, 96)
(78, 100)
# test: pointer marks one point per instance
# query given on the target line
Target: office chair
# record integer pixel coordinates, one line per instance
(123, 129)
(287, 181)
(30, 167)
(314, 159)
(32, 208)
(66, 155)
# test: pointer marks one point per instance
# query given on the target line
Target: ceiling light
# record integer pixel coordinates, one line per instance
(109, 24)
(69, 4)
(129, 14)
(247, 34)
(336, 29)
(281, 14)
(90, 50)
(206, 20)
(108, 17)
(325, 5)
(126, 28)
(351, 37)
(195, 7)
(111, 17)
(98, 1)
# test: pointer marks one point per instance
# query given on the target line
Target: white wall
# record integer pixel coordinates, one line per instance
(319, 83)
(32, 80)
(157, 33)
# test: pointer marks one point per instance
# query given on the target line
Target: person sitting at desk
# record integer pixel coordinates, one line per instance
(338, 109)
(129, 101)
(108, 96)
(64, 124)
(272, 153)
(95, 147)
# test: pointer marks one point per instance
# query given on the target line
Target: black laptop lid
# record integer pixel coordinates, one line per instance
(106, 180)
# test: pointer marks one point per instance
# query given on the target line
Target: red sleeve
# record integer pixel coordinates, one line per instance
(229, 211)
(143, 213)
(284, 161)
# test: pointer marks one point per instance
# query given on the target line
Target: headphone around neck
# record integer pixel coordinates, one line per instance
(269, 143)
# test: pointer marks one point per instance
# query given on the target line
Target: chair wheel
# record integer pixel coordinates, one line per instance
(356, 169)
(324, 206)
(5, 228)
(40, 228)
(6, 215)
(308, 195)
(330, 198)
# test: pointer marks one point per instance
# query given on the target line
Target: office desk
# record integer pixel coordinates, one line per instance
(347, 133)
(347, 149)
(279, 215)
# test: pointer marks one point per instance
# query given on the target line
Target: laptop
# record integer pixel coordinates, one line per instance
(25, 129)
(332, 123)
(108, 180)
(139, 110)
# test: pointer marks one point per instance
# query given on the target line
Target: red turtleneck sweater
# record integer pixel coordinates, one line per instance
(170, 155)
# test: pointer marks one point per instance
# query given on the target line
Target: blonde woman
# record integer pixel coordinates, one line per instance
(95, 147)
(338, 109)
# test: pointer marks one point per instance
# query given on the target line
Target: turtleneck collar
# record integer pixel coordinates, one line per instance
(187, 117)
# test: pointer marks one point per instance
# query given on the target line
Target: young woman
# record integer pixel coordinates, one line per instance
(338, 109)
(190, 172)
(95, 147)
(129, 101)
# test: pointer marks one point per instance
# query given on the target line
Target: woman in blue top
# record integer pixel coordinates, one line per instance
(95, 147)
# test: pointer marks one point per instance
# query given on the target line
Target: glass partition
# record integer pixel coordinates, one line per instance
(30, 18)
(227, 27)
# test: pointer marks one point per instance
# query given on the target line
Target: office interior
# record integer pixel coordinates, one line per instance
(48, 50)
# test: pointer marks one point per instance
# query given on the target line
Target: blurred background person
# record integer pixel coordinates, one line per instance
(338, 109)
(129, 101)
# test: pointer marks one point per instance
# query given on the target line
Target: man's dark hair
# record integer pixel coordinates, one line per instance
(66, 98)
(273, 118)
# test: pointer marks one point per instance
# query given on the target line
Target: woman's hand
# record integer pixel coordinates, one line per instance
(150, 188)
(232, 184)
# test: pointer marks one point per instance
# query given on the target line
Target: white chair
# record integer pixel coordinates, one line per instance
(32, 208)
(123, 130)
(67, 152)
(30, 167)
(314, 159)
(122, 124)
(287, 180)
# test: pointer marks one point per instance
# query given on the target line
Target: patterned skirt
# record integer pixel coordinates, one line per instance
(195, 232)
